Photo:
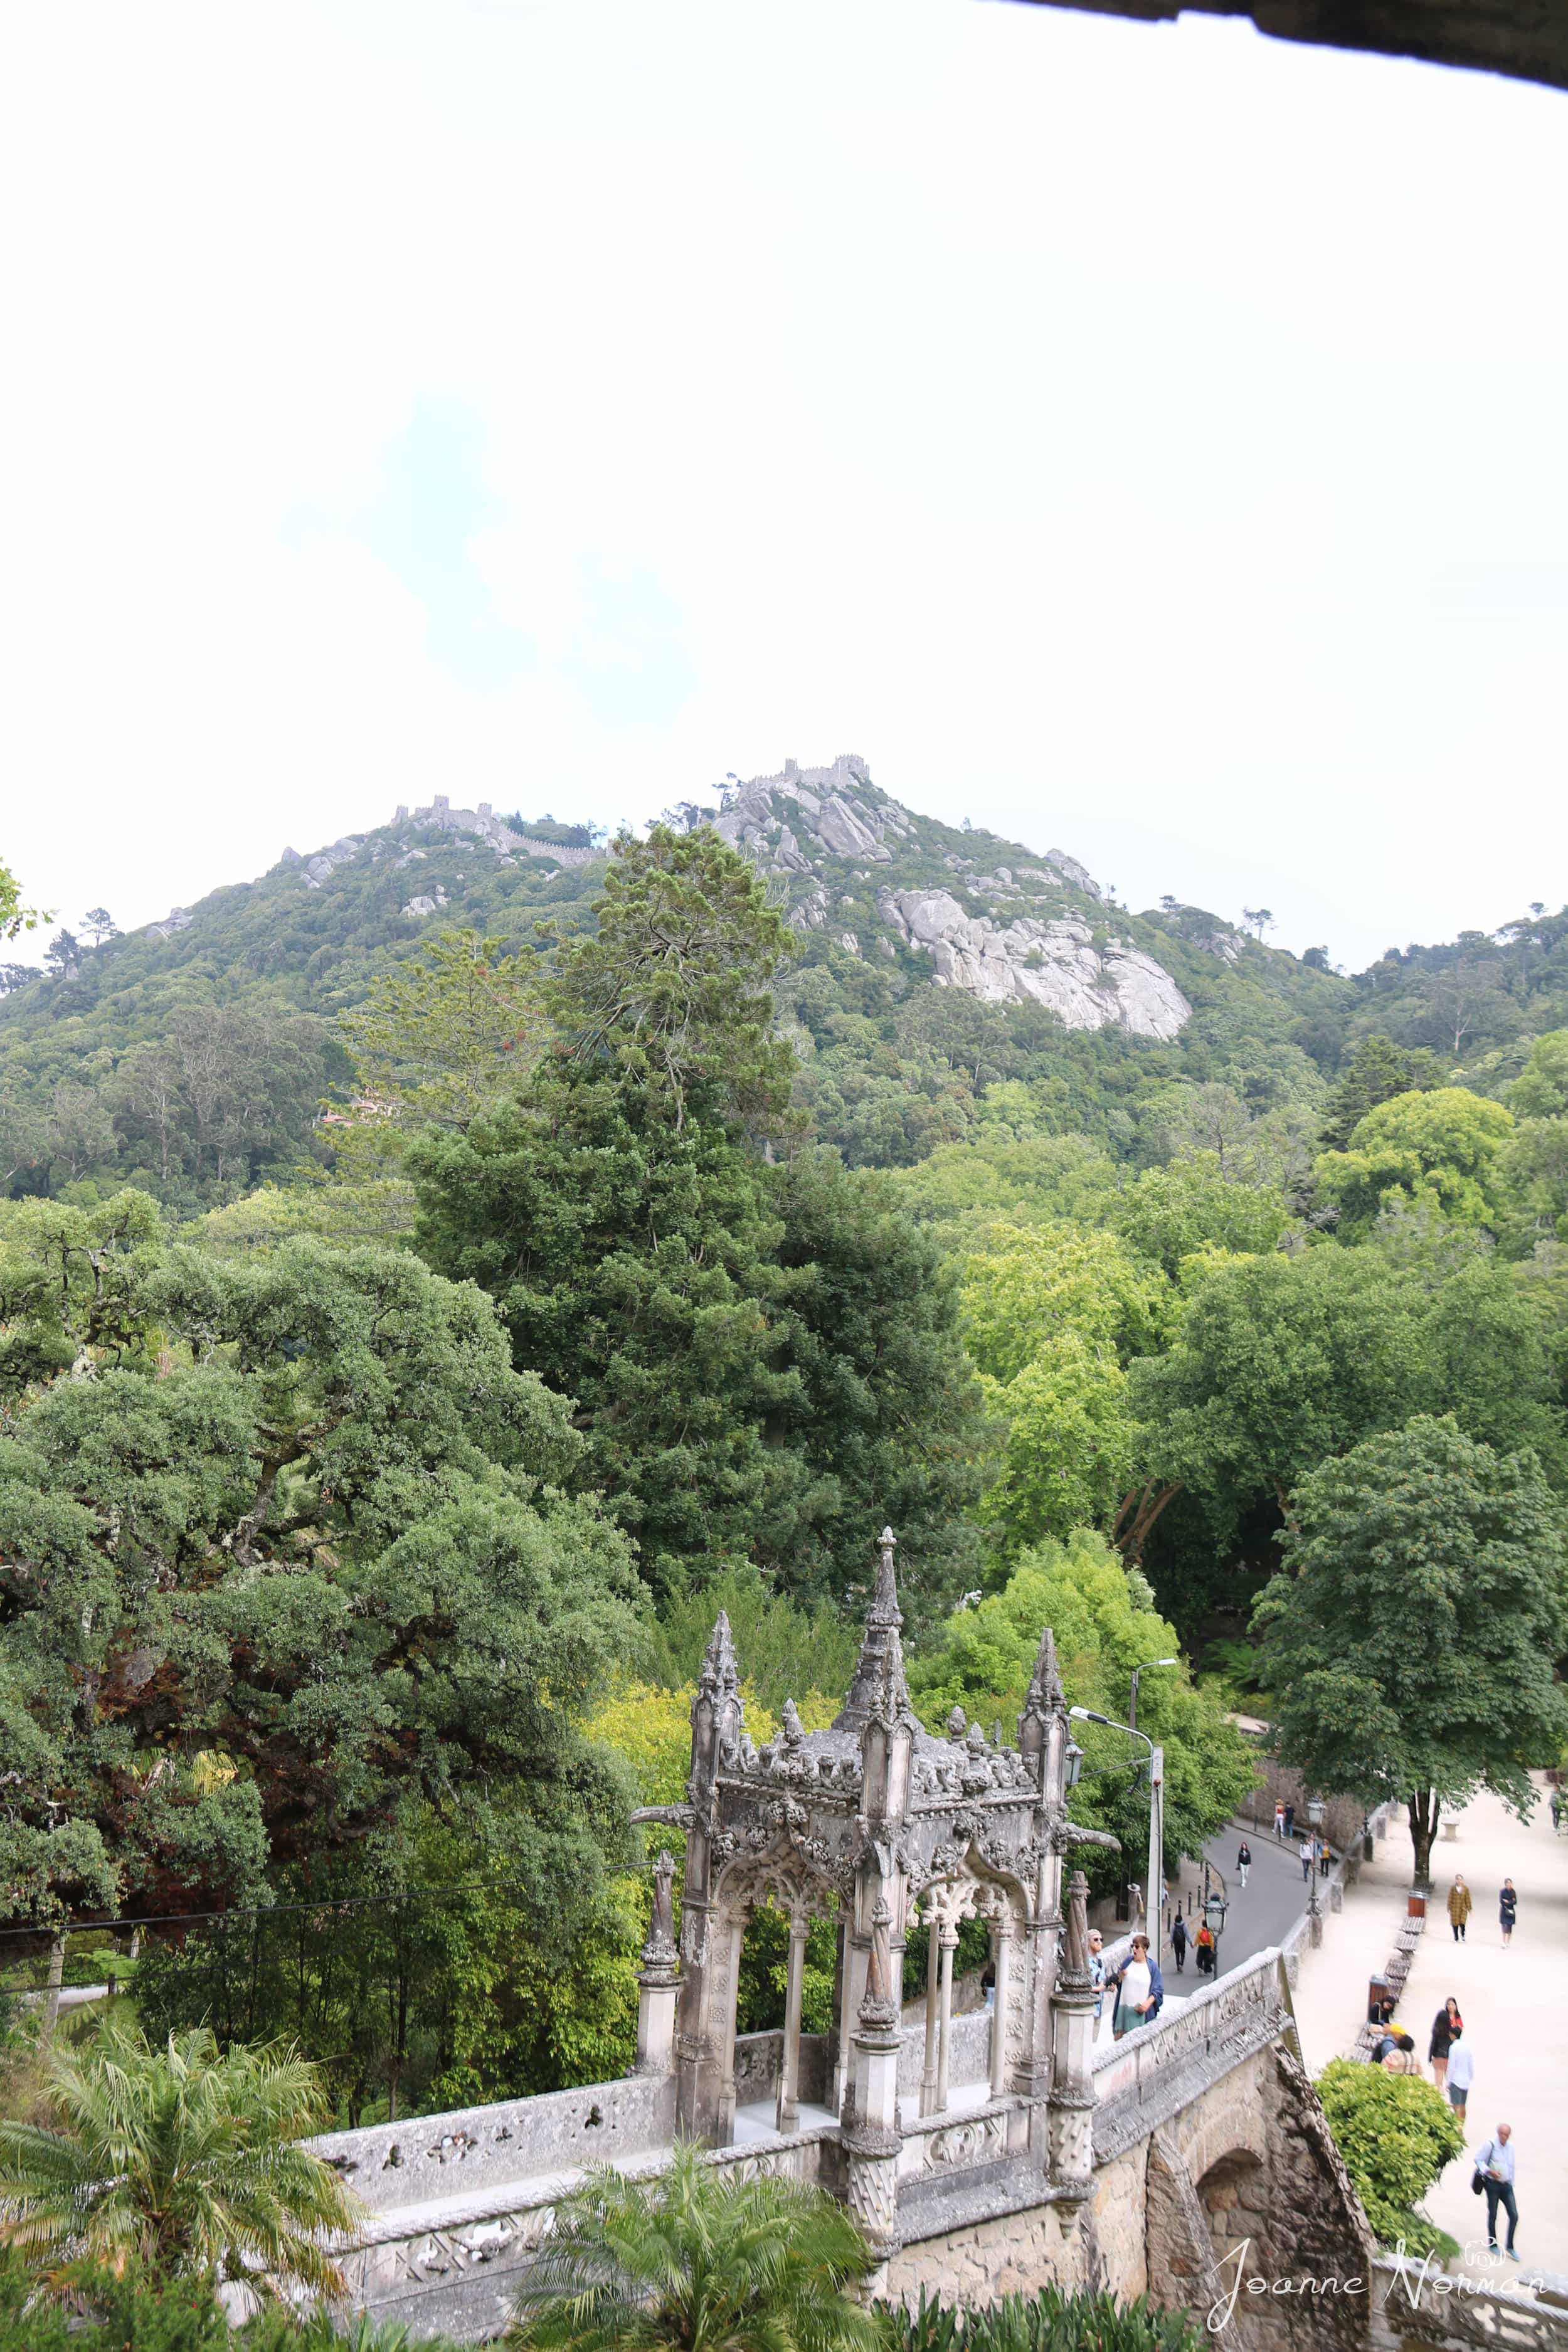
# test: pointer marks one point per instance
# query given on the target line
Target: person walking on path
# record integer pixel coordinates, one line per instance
(1097, 1972)
(1244, 1860)
(1308, 1858)
(1290, 1821)
(1494, 2162)
(1446, 2028)
(1459, 1908)
(1179, 1942)
(1461, 2074)
(1508, 1911)
(1279, 1824)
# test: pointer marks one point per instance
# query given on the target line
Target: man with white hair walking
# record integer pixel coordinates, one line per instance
(1494, 2163)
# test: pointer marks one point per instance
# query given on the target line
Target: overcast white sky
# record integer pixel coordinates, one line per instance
(1144, 440)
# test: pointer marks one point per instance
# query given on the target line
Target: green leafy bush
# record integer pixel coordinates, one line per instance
(136, 2313)
(1047, 2322)
(1396, 2134)
(128, 2314)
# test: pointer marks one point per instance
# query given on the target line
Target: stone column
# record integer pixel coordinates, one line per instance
(786, 2116)
(944, 2047)
(934, 1965)
(871, 2143)
(1072, 2052)
(704, 2043)
(1002, 1949)
(727, 1935)
(658, 1983)
(856, 1955)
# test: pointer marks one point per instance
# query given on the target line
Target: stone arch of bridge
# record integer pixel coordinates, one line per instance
(782, 1879)
(972, 1889)
(1228, 2126)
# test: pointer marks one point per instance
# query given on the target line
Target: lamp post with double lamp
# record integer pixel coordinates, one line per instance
(1147, 1666)
(1151, 1903)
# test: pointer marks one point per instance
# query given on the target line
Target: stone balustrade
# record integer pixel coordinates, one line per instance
(1417, 2308)
(1149, 2075)
(472, 2150)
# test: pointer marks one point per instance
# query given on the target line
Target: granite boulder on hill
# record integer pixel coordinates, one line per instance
(1016, 933)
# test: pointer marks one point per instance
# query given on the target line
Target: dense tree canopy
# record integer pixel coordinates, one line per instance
(1105, 1624)
(1444, 1145)
(1285, 1362)
(309, 1560)
(1410, 1640)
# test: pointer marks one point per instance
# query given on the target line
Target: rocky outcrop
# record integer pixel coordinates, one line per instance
(1069, 868)
(178, 918)
(1053, 963)
(802, 826)
(830, 806)
(317, 868)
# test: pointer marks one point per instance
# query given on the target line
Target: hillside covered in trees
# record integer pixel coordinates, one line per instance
(191, 1058)
(371, 1474)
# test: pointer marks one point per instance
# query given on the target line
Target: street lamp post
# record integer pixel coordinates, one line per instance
(1151, 1894)
(1147, 1664)
(1314, 1912)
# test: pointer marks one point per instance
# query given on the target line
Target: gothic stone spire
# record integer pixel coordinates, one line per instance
(717, 1711)
(878, 1692)
(1046, 1695)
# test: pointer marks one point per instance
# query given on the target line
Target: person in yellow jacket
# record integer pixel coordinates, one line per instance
(1459, 1908)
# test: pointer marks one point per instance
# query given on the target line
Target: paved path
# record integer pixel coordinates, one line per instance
(1515, 2005)
(1261, 1913)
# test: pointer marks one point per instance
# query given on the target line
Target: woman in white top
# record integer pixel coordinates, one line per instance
(1133, 1990)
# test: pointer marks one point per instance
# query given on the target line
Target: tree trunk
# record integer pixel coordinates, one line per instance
(52, 1991)
(1422, 1809)
(1135, 1519)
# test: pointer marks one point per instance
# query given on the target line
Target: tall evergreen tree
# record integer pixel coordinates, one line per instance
(763, 1358)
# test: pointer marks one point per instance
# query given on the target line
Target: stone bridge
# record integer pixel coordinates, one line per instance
(981, 2153)
(1204, 2133)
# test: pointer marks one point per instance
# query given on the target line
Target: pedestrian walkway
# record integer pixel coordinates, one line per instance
(1514, 2003)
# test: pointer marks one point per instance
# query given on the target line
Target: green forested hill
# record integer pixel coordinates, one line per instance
(191, 1057)
(627, 1277)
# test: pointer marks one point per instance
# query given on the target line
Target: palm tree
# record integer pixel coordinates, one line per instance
(184, 2157)
(694, 2261)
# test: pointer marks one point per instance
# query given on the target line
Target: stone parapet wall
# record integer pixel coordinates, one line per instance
(1426, 2311)
(450, 2263)
(469, 2150)
(1142, 2080)
(760, 2056)
(970, 2059)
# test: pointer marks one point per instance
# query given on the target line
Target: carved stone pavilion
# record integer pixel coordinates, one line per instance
(889, 1830)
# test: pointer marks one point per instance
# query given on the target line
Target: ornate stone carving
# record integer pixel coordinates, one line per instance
(1075, 1955)
(978, 2139)
(873, 2199)
(863, 1821)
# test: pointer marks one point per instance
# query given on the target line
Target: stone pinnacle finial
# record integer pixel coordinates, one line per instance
(884, 1609)
(1046, 1695)
(879, 1688)
(719, 1669)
